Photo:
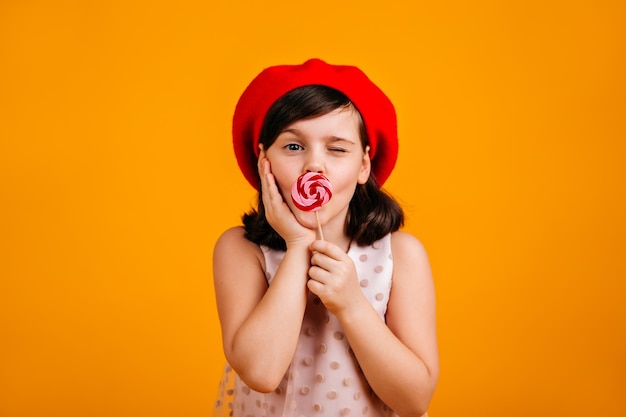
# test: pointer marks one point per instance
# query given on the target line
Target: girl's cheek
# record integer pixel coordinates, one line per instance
(283, 188)
(283, 181)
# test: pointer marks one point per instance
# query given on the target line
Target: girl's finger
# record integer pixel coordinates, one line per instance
(316, 287)
(268, 185)
(323, 261)
(319, 274)
(327, 248)
(273, 194)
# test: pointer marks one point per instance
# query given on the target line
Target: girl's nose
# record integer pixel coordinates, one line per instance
(315, 168)
(314, 163)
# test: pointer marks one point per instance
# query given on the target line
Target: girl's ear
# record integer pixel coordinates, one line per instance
(366, 167)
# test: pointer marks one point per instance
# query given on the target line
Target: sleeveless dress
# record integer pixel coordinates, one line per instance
(324, 378)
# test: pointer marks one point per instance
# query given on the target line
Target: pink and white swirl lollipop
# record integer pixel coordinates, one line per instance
(310, 192)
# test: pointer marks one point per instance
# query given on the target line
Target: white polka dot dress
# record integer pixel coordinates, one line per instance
(324, 378)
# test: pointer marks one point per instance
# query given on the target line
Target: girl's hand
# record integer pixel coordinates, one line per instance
(333, 278)
(277, 212)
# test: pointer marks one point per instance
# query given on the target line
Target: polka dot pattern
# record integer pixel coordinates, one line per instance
(324, 378)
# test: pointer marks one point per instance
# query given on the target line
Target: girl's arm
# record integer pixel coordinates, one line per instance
(260, 324)
(399, 358)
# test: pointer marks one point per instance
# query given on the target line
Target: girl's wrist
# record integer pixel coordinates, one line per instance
(298, 243)
(354, 312)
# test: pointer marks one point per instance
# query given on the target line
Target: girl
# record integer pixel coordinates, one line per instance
(343, 326)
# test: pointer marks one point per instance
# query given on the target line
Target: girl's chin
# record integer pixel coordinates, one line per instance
(307, 219)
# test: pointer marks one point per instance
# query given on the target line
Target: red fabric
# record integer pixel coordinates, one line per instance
(376, 110)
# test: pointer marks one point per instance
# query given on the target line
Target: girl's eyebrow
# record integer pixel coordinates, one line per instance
(340, 139)
(295, 131)
(332, 138)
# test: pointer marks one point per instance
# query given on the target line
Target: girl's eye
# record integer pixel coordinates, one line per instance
(339, 150)
(293, 147)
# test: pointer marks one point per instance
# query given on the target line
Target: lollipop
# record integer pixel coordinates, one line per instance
(310, 192)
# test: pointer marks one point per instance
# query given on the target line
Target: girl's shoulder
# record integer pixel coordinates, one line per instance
(407, 249)
(402, 241)
(233, 245)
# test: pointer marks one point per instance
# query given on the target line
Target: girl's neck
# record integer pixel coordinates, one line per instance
(335, 233)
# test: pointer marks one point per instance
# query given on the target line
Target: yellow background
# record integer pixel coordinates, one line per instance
(117, 176)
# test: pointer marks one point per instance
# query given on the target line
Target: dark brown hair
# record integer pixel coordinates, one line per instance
(372, 213)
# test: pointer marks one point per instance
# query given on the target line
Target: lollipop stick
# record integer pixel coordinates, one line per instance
(319, 226)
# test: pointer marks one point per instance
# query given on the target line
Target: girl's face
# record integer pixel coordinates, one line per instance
(329, 144)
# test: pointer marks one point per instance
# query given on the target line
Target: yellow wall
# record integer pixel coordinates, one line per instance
(117, 176)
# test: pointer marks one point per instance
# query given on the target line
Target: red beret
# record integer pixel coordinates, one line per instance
(375, 108)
